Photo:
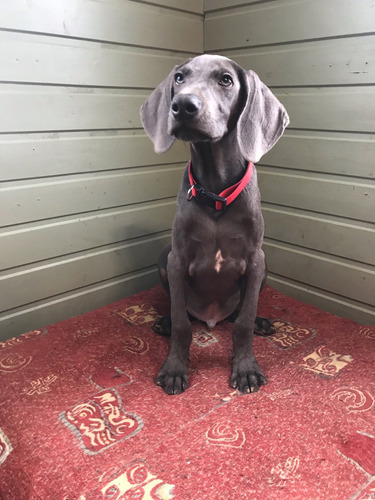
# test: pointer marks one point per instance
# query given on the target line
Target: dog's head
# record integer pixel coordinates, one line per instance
(207, 97)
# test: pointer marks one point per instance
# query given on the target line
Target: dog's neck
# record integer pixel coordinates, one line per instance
(218, 165)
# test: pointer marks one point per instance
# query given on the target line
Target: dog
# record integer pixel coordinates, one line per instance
(215, 267)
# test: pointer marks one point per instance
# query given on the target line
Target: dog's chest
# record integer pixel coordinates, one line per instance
(217, 254)
(216, 263)
(214, 274)
(217, 249)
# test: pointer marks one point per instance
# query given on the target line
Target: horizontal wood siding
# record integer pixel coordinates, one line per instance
(317, 183)
(84, 193)
(125, 22)
(85, 203)
(323, 62)
(90, 64)
(283, 21)
(18, 288)
(75, 302)
(31, 155)
(73, 234)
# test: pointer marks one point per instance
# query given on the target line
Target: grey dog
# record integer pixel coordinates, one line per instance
(215, 267)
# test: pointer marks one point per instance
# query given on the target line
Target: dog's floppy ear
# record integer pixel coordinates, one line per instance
(154, 115)
(262, 121)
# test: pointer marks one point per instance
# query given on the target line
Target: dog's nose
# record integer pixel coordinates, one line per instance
(185, 106)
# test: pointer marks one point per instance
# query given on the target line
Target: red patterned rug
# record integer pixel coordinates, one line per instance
(80, 417)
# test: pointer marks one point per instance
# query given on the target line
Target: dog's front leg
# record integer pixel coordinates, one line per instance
(173, 376)
(246, 374)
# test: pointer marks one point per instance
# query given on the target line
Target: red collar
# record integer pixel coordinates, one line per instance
(226, 197)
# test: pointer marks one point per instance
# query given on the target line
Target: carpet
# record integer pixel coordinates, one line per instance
(80, 417)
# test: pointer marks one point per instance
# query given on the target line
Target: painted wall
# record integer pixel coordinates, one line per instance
(85, 203)
(317, 184)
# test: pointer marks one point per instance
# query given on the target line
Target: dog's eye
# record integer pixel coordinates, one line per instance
(226, 81)
(179, 78)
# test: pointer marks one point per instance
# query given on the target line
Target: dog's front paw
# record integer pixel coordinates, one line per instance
(246, 375)
(173, 377)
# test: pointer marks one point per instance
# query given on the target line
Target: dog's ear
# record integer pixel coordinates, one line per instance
(262, 120)
(154, 115)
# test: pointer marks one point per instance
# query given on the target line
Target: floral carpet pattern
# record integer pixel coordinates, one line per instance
(80, 417)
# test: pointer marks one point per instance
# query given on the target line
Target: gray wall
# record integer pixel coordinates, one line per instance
(317, 184)
(85, 203)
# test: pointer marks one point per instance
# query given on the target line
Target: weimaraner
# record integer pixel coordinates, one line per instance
(215, 267)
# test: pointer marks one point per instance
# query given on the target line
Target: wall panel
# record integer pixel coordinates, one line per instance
(325, 194)
(317, 184)
(325, 62)
(331, 235)
(350, 109)
(123, 22)
(77, 108)
(328, 152)
(75, 302)
(72, 234)
(283, 21)
(80, 182)
(86, 268)
(54, 154)
(86, 204)
(26, 58)
(48, 199)
(322, 271)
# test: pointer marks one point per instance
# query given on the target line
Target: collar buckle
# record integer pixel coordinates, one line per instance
(190, 194)
(210, 199)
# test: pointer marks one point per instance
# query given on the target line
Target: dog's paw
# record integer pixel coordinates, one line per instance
(263, 327)
(173, 378)
(162, 326)
(246, 375)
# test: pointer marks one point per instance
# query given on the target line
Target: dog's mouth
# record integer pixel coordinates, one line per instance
(189, 134)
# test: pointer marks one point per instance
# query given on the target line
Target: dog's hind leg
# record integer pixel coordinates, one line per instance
(162, 326)
(162, 268)
(262, 327)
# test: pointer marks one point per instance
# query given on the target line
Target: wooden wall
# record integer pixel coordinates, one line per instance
(85, 203)
(317, 184)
